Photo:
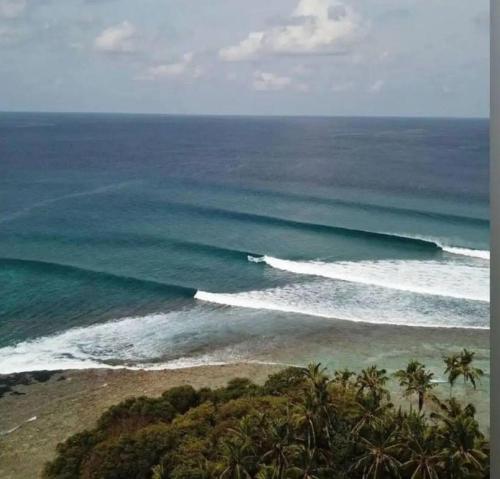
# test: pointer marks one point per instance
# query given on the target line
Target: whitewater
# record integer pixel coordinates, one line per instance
(440, 278)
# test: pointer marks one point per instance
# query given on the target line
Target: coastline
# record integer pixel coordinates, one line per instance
(69, 401)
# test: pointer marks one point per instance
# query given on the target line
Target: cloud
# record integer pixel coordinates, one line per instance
(315, 26)
(340, 87)
(12, 8)
(266, 81)
(8, 35)
(376, 86)
(117, 39)
(185, 66)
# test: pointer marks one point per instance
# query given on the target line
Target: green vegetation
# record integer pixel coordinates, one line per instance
(300, 424)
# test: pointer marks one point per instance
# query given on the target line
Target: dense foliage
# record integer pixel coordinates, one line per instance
(299, 424)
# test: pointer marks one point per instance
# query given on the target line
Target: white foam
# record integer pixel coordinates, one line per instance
(473, 253)
(256, 259)
(133, 339)
(456, 250)
(366, 304)
(170, 340)
(441, 278)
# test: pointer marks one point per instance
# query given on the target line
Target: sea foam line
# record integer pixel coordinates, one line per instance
(244, 300)
(457, 250)
(473, 253)
(453, 280)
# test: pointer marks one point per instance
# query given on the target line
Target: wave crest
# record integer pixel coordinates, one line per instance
(454, 280)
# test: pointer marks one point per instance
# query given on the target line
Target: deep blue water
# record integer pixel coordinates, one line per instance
(106, 217)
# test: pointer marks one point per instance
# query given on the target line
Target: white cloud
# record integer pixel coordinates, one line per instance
(316, 26)
(117, 39)
(8, 35)
(266, 81)
(12, 8)
(185, 66)
(376, 86)
(340, 87)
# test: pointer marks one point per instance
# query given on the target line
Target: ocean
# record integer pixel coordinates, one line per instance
(166, 241)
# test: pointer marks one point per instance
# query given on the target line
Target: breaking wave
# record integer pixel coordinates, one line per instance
(450, 279)
(367, 304)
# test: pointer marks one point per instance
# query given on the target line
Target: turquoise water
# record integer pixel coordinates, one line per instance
(157, 239)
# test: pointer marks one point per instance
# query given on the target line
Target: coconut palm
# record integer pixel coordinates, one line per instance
(268, 472)
(452, 369)
(373, 380)
(379, 459)
(463, 447)
(451, 408)
(279, 434)
(369, 413)
(423, 454)
(425, 461)
(306, 465)
(343, 377)
(470, 373)
(315, 374)
(416, 380)
(238, 458)
(316, 406)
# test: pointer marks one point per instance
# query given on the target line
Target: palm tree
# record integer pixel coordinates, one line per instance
(461, 365)
(380, 449)
(415, 379)
(267, 472)
(470, 374)
(370, 413)
(424, 455)
(373, 380)
(306, 465)
(463, 447)
(451, 408)
(343, 377)
(452, 369)
(315, 374)
(238, 458)
(280, 436)
(316, 406)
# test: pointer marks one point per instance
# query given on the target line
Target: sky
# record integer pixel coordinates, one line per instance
(259, 57)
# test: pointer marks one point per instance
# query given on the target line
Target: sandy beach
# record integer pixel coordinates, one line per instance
(67, 402)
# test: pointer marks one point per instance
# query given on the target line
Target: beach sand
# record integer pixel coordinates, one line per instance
(67, 402)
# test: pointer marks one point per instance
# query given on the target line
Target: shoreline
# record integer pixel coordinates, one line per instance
(67, 401)
(38, 414)
(327, 325)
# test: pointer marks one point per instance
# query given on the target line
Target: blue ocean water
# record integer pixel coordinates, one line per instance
(136, 239)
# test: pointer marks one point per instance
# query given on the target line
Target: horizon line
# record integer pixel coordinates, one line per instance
(244, 115)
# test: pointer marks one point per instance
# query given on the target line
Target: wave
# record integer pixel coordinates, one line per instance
(349, 302)
(429, 244)
(93, 275)
(113, 344)
(131, 240)
(42, 204)
(372, 207)
(473, 253)
(316, 227)
(457, 250)
(169, 340)
(454, 280)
